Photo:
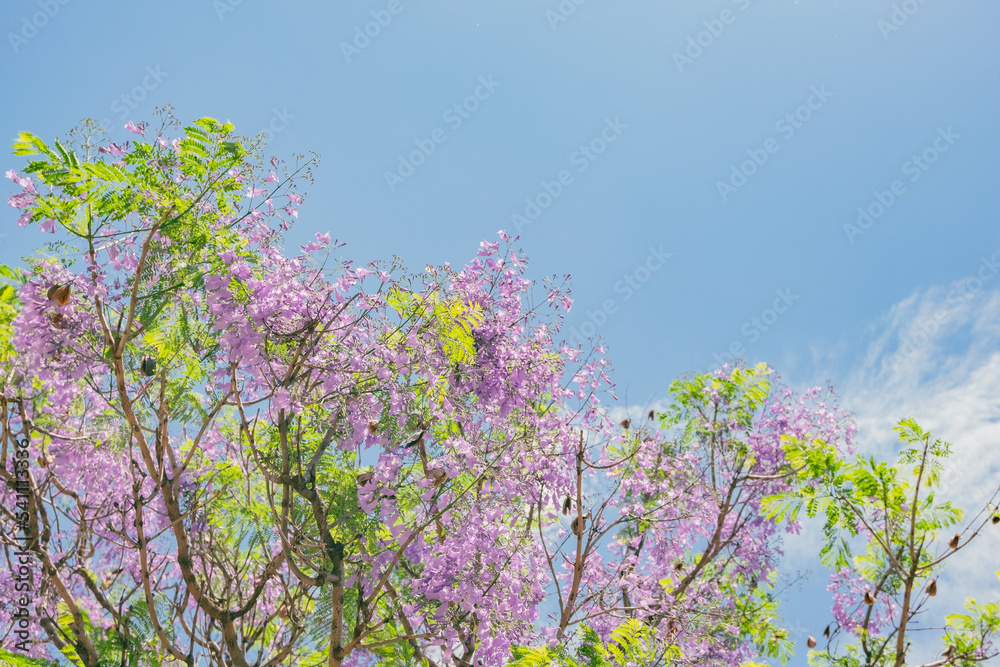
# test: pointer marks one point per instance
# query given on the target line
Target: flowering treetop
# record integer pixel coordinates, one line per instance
(237, 455)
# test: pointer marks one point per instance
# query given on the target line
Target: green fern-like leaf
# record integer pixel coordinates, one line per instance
(8, 659)
(531, 657)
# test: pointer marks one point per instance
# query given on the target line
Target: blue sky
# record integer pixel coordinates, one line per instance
(830, 102)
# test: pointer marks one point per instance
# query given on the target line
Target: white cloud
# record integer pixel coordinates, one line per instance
(935, 357)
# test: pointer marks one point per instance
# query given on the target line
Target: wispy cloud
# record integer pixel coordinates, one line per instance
(935, 357)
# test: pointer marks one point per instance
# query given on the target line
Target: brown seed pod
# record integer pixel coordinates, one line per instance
(679, 565)
(149, 367)
(826, 633)
(437, 475)
(45, 460)
(996, 519)
(567, 505)
(811, 642)
(869, 599)
(625, 423)
(365, 477)
(652, 415)
(579, 524)
(949, 653)
(59, 293)
(953, 542)
(373, 427)
(59, 321)
(932, 588)
(283, 611)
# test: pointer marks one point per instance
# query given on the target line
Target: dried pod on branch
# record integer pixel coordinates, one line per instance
(437, 476)
(59, 294)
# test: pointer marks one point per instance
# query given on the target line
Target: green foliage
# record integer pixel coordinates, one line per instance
(452, 319)
(631, 644)
(532, 657)
(91, 193)
(967, 632)
(896, 507)
(8, 659)
(853, 492)
(397, 654)
(10, 281)
(744, 392)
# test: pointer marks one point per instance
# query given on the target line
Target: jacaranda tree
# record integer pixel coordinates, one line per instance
(216, 452)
